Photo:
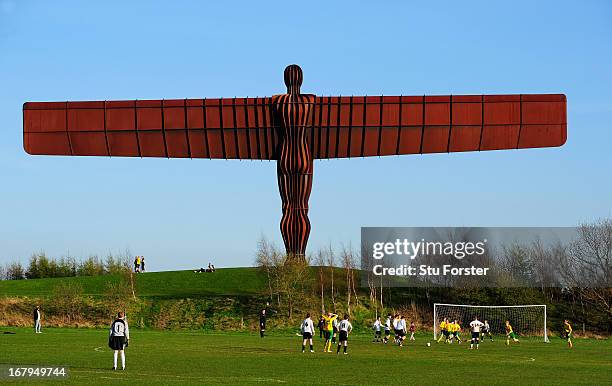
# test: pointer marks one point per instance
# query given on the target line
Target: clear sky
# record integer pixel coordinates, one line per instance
(184, 213)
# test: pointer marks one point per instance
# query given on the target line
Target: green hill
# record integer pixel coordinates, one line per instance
(171, 284)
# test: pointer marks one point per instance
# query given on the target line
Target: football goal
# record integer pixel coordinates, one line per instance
(526, 320)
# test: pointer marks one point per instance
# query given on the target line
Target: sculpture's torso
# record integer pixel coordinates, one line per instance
(292, 113)
(294, 167)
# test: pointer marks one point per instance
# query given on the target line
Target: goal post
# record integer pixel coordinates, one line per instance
(527, 320)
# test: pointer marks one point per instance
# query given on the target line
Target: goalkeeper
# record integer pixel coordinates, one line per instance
(568, 332)
(486, 331)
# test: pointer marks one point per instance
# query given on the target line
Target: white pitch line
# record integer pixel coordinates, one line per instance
(98, 349)
(175, 376)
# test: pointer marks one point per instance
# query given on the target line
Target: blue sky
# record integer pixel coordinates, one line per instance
(184, 213)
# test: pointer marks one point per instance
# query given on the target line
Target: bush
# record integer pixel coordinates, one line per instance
(67, 301)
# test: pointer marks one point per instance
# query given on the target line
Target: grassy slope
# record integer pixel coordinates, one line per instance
(156, 357)
(171, 284)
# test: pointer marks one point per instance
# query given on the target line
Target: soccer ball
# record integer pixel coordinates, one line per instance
(428, 344)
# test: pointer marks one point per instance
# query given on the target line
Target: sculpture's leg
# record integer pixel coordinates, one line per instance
(295, 191)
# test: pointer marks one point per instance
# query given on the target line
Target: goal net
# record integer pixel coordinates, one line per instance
(526, 320)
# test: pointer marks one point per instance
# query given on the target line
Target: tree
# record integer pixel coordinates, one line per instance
(541, 259)
(348, 263)
(320, 261)
(33, 271)
(67, 300)
(269, 259)
(288, 278)
(331, 263)
(515, 263)
(120, 294)
(15, 271)
(586, 265)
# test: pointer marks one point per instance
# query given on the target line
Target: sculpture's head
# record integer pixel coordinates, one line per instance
(293, 78)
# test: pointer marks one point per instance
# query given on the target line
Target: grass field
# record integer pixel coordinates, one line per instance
(170, 284)
(157, 357)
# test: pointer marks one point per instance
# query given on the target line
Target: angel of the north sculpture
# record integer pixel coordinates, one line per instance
(294, 129)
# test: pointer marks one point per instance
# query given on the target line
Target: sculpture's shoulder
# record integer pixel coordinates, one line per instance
(304, 97)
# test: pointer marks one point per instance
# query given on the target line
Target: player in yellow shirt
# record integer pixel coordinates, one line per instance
(568, 332)
(456, 329)
(328, 330)
(450, 328)
(444, 331)
(510, 334)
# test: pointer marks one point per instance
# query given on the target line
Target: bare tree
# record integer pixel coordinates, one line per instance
(265, 261)
(586, 266)
(367, 265)
(15, 271)
(294, 280)
(348, 263)
(331, 263)
(288, 278)
(541, 259)
(320, 261)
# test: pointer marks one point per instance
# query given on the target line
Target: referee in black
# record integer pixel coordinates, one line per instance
(118, 338)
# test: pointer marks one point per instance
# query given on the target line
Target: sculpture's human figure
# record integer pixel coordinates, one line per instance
(294, 165)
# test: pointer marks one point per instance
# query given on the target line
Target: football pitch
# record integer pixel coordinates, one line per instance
(161, 357)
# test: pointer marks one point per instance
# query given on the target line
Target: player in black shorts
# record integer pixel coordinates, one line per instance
(387, 328)
(307, 328)
(118, 339)
(344, 328)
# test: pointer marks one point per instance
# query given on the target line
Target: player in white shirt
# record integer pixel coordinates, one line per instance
(119, 337)
(376, 327)
(335, 333)
(401, 330)
(344, 328)
(387, 328)
(486, 331)
(475, 326)
(395, 322)
(307, 329)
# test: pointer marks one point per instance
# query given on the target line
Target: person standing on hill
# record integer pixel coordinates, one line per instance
(142, 264)
(119, 338)
(262, 323)
(37, 318)
(136, 264)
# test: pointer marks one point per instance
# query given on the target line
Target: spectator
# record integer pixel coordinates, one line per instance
(37, 318)
(262, 323)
